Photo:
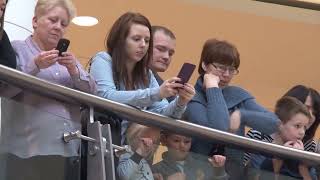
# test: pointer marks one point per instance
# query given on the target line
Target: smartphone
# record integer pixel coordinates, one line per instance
(186, 72)
(62, 46)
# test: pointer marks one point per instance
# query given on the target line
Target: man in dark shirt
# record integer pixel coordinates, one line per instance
(164, 44)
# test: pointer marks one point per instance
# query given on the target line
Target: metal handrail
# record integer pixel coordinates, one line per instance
(31, 83)
(295, 3)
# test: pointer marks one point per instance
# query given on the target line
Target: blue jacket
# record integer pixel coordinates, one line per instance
(212, 107)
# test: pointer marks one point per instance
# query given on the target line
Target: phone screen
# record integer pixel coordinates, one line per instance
(62, 46)
(186, 72)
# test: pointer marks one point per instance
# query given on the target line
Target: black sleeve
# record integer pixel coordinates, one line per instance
(7, 54)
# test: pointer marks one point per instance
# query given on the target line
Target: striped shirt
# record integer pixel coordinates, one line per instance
(310, 145)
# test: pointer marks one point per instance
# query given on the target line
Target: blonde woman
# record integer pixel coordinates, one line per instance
(34, 135)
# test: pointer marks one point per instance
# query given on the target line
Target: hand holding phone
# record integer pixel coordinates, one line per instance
(62, 46)
(186, 72)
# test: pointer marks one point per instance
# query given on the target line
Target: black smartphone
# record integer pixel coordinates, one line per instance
(62, 46)
(186, 72)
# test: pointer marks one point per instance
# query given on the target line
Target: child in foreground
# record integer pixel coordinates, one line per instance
(180, 164)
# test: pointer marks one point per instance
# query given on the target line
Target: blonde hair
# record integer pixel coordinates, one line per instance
(43, 6)
(137, 131)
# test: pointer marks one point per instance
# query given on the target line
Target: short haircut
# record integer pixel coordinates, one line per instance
(287, 107)
(301, 92)
(43, 6)
(219, 51)
(165, 30)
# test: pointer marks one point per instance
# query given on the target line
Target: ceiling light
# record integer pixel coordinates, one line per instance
(85, 21)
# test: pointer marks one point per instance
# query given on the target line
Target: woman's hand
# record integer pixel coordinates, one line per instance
(68, 60)
(186, 93)
(217, 160)
(46, 59)
(170, 87)
(210, 80)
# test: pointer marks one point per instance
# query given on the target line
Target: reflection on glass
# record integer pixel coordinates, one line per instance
(35, 149)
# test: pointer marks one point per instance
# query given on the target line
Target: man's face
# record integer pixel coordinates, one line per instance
(163, 50)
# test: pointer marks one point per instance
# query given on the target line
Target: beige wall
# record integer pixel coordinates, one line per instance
(278, 45)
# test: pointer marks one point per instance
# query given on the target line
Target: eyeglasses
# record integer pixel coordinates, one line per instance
(223, 68)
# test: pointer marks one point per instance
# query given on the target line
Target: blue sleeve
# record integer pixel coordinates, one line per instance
(101, 70)
(258, 118)
(133, 166)
(215, 115)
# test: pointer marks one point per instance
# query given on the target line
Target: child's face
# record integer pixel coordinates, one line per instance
(178, 146)
(294, 129)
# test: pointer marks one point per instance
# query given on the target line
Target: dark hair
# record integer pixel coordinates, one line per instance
(287, 107)
(2, 21)
(301, 93)
(221, 52)
(165, 30)
(115, 43)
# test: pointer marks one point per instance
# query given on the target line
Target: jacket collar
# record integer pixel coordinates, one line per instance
(233, 95)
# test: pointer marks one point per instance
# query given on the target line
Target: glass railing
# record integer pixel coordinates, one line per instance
(98, 161)
(31, 141)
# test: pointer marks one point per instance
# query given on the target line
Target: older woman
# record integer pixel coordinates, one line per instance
(220, 106)
(36, 128)
(7, 56)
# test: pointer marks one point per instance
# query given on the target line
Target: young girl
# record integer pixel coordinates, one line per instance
(143, 142)
(295, 119)
(122, 73)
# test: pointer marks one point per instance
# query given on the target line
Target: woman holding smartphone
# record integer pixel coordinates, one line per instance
(36, 123)
(220, 106)
(122, 72)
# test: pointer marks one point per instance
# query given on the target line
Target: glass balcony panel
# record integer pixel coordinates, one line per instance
(32, 145)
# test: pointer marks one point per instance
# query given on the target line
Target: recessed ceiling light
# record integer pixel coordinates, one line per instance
(85, 21)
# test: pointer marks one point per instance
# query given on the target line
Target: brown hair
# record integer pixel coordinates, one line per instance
(115, 43)
(2, 22)
(165, 30)
(287, 107)
(301, 92)
(136, 131)
(221, 52)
